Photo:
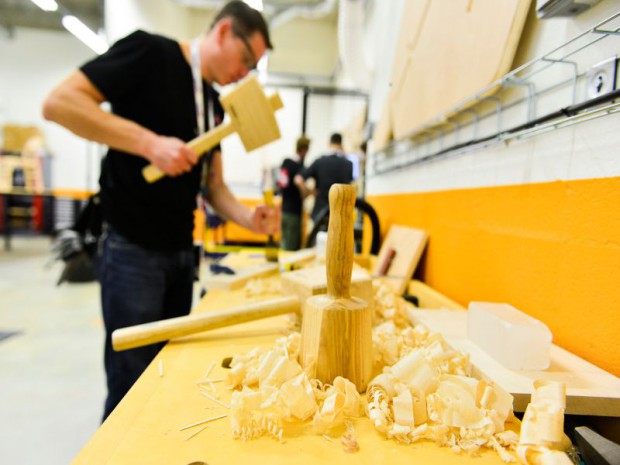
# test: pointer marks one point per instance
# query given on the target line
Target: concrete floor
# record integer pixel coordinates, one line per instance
(52, 384)
(52, 381)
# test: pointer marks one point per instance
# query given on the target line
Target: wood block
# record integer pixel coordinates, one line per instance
(15, 137)
(241, 276)
(290, 261)
(252, 113)
(313, 281)
(589, 389)
(399, 256)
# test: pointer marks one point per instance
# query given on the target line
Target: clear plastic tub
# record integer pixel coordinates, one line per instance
(515, 339)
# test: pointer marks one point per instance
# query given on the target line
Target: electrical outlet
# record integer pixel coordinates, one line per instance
(601, 78)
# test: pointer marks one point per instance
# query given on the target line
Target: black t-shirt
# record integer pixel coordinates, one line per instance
(146, 79)
(327, 170)
(291, 197)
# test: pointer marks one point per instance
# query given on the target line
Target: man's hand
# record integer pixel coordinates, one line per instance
(266, 220)
(170, 155)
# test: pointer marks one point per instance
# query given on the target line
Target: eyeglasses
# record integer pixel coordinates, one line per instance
(249, 60)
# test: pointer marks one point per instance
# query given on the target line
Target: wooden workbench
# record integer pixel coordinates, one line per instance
(146, 426)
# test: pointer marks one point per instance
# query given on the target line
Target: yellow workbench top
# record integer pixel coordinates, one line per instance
(146, 427)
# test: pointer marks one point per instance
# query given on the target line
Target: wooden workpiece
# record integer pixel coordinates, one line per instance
(313, 281)
(434, 70)
(241, 277)
(399, 256)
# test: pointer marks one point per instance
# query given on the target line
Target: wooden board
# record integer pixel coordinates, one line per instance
(293, 260)
(252, 113)
(589, 390)
(241, 276)
(449, 50)
(406, 244)
(313, 281)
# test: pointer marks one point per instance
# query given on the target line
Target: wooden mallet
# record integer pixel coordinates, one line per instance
(163, 330)
(336, 331)
(251, 117)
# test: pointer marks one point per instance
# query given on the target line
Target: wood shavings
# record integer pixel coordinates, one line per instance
(542, 440)
(260, 287)
(341, 401)
(389, 307)
(213, 399)
(423, 393)
(210, 381)
(208, 373)
(298, 397)
(202, 422)
(256, 413)
(197, 432)
(349, 440)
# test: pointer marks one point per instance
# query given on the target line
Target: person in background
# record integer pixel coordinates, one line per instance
(329, 169)
(146, 265)
(292, 200)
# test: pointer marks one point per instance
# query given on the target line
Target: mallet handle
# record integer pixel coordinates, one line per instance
(158, 331)
(200, 145)
(340, 242)
(207, 141)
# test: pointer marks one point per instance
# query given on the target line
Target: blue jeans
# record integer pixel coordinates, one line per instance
(138, 286)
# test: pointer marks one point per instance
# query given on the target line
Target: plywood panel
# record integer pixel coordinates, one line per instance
(399, 256)
(449, 50)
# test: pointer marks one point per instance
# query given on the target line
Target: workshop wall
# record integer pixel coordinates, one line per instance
(31, 66)
(533, 222)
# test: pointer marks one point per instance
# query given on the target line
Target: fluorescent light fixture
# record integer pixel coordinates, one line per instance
(82, 32)
(256, 4)
(46, 5)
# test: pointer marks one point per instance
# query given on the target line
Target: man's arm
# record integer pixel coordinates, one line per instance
(75, 104)
(261, 220)
(300, 182)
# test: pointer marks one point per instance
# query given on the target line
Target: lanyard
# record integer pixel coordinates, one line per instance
(198, 93)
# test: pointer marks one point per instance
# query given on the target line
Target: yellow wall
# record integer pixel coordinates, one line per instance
(551, 250)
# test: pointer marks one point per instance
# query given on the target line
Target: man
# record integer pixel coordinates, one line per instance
(146, 264)
(327, 170)
(292, 202)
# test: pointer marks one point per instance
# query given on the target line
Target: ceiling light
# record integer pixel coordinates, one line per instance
(82, 32)
(47, 5)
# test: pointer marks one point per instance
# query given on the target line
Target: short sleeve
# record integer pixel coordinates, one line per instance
(126, 65)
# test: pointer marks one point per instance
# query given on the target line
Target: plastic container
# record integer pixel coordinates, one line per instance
(321, 244)
(513, 338)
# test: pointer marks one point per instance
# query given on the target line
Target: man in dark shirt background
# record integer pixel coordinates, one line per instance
(292, 200)
(327, 170)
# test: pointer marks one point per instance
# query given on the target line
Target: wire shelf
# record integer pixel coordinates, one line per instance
(459, 129)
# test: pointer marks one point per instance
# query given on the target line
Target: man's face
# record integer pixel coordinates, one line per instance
(239, 53)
